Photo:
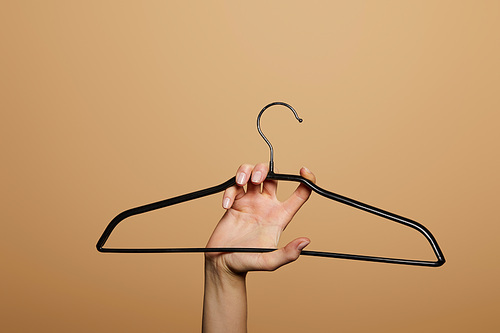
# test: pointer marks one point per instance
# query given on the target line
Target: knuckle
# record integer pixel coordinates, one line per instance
(261, 166)
(246, 166)
(229, 192)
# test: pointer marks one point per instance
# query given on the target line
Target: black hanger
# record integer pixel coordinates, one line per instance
(276, 176)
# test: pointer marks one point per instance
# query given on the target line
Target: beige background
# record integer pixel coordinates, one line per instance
(109, 105)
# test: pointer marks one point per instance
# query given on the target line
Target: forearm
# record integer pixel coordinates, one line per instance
(225, 301)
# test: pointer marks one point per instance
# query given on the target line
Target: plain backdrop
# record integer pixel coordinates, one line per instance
(108, 105)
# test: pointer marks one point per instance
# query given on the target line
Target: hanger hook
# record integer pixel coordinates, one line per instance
(271, 160)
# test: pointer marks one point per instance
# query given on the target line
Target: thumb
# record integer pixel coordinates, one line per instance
(285, 255)
(301, 194)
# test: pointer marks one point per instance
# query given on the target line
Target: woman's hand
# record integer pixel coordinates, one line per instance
(256, 218)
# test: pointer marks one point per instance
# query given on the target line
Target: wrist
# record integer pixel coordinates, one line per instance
(217, 271)
(225, 303)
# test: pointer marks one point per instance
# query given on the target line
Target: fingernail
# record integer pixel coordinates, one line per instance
(302, 245)
(256, 177)
(241, 178)
(225, 203)
(306, 170)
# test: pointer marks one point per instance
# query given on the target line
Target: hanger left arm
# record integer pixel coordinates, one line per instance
(153, 206)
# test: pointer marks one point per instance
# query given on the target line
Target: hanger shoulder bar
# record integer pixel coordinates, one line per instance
(218, 188)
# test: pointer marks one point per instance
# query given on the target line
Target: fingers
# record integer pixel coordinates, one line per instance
(236, 192)
(301, 194)
(249, 175)
(231, 194)
(289, 253)
(243, 174)
(259, 173)
(252, 176)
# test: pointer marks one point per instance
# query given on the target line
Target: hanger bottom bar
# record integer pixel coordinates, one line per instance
(263, 250)
(373, 259)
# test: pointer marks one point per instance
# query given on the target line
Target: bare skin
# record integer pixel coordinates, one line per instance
(253, 218)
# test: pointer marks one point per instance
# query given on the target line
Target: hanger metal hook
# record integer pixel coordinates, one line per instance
(271, 160)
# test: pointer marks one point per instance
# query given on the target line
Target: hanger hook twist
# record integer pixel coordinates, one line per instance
(271, 160)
